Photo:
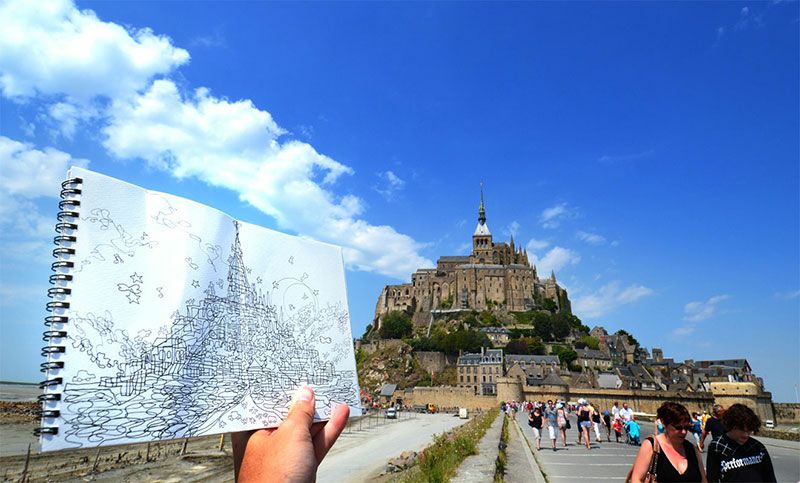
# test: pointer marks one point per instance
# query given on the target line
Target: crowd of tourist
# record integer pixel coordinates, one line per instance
(667, 454)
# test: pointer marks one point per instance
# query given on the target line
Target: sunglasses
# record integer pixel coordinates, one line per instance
(682, 427)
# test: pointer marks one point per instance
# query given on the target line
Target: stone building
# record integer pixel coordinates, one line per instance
(480, 371)
(498, 336)
(593, 359)
(495, 275)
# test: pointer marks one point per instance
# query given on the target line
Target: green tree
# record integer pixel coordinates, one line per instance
(395, 325)
(543, 326)
(631, 339)
(590, 342)
(517, 347)
(550, 305)
(566, 355)
(561, 327)
(487, 318)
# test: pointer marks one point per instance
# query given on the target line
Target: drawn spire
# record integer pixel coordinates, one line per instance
(237, 273)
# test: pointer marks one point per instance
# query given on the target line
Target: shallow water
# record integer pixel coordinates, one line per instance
(19, 392)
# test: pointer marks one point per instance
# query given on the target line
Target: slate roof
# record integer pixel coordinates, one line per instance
(527, 359)
(388, 389)
(553, 379)
(458, 259)
(495, 330)
(592, 354)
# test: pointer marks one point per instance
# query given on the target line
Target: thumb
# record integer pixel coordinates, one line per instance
(301, 410)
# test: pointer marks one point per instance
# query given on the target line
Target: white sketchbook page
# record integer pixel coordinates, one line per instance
(184, 323)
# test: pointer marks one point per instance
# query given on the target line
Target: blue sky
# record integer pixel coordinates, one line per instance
(646, 152)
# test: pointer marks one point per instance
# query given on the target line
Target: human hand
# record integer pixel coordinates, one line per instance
(292, 451)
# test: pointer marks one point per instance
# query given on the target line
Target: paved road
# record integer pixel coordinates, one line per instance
(611, 461)
(360, 454)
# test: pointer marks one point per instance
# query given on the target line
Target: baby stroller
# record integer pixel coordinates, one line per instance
(632, 433)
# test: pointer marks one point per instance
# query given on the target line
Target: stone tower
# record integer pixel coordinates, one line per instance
(482, 238)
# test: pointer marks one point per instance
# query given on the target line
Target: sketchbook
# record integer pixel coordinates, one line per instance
(169, 319)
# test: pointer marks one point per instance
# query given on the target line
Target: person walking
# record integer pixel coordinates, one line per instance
(697, 428)
(584, 420)
(596, 422)
(561, 413)
(736, 456)
(607, 423)
(535, 421)
(551, 417)
(674, 458)
(626, 413)
(713, 426)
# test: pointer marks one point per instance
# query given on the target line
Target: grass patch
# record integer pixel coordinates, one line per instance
(500, 462)
(440, 461)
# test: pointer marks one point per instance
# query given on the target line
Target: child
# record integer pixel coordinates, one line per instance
(617, 426)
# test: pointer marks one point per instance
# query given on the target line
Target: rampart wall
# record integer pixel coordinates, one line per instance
(787, 413)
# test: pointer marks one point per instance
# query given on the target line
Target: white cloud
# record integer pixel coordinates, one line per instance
(685, 330)
(552, 217)
(512, 228)
(792, 294)
(391, 184)
(52, 48)
(29, 172)
(697, 311)
(554, 260)
(590, 238)
(534, 245)
(234, 145)
(608, 298)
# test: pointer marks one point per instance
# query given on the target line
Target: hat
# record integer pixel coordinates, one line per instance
(582, 402)
(560, 405)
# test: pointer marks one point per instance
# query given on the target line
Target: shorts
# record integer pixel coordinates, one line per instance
(586, 424)
(536, 433)
(552, 430)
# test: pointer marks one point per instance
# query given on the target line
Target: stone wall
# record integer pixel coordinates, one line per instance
(370, 347)
(747, 393)
(787, 413)
(449, 397)
(640, 401)
(431, 361)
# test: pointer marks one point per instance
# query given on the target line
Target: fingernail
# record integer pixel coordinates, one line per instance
(304, 394)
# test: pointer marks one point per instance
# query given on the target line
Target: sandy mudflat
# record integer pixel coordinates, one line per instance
(202, 461)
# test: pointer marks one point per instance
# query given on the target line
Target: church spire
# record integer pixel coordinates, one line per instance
(482, 210)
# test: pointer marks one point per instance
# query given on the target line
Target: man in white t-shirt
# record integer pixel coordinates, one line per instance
(615, 411)
(626, 413)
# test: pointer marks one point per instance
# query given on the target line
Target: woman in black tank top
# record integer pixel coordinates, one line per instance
(677, 459)
(667, 472)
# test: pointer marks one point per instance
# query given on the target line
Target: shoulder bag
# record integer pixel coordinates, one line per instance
(651, 475)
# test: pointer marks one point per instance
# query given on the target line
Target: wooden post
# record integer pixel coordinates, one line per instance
(185, 443)
(25, 468)
(96, 460)
(147, 456)
(221, 441)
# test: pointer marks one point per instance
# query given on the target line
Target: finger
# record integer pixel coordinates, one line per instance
(301, 411)
(317, 427)
(331, 431)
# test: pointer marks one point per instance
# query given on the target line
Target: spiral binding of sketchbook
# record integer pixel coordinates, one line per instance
(59, 292)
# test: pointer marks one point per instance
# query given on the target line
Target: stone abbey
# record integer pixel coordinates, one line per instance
(496, 276)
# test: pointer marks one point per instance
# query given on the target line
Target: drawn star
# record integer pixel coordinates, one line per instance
(249, 270)
(133, 298)
(305, 296)
(275, 284)
(258, 280)
(304, 277)
(316, 292)
(195, 284)
(136, 278)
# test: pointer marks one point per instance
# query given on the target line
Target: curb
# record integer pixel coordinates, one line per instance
(538, 476)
